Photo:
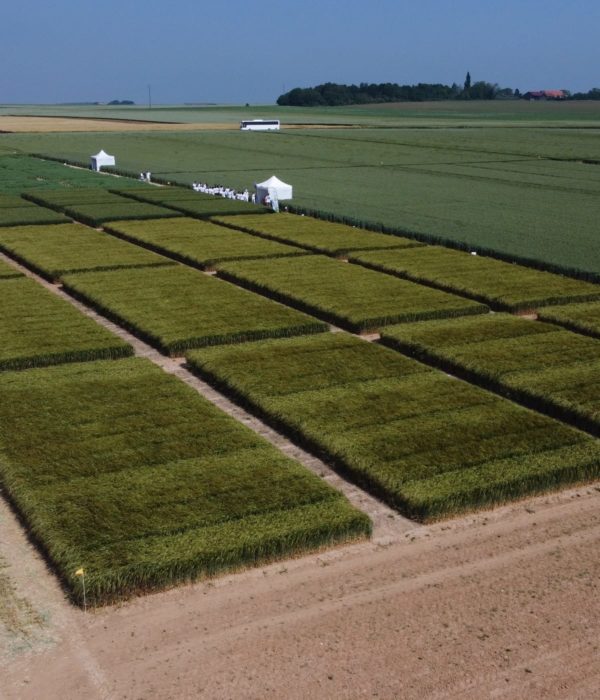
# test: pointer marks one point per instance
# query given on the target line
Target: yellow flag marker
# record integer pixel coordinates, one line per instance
(79, 572)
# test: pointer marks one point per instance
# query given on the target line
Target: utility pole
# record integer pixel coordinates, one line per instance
(149, 96)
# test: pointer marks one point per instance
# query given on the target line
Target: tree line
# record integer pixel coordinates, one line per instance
(336, 95)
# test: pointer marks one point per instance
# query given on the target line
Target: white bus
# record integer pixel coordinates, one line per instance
(260, 125)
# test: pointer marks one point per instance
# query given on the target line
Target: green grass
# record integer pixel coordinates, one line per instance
(53, 251)
(582, 318)
(29, 214)
(314, 234)
(199, 243)
(11, 201)
(94, 207)
(428, 444)
(125, 471)
(348, 295)
(545, 367)
(196, 204)
(40, 329)
(175, 308)
(20, 172)
(511, 180)
(501, 285)
(8, 271)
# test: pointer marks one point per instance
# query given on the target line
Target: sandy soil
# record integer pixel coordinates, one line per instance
(502, 604)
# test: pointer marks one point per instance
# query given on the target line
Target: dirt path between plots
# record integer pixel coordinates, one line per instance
(501, 604)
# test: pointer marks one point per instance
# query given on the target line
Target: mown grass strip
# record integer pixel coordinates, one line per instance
(198, 243)
(547, 368)
(52, 251)
(582, 318)
(175, 308)
(123, 470)
(314, 234)
(500, 284)
(38, 329)
(428, 444)
(347, 295)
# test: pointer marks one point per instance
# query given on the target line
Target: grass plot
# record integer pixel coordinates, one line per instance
(347, 295)
(125, 471)
(428, 444)
(40, 329)
(175, 308)
(502, 285)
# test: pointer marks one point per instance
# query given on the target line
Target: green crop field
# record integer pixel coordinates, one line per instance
(198, 243)
(53, 251)
(96, 207)
(348, 295)
(19, 173)
(175, 308)
(314, 234)
(198, 204)
(500, 284)
(583, 318)
(40, 329)
(521, 179)
(428, 444)
(548, 368)
(125, 471)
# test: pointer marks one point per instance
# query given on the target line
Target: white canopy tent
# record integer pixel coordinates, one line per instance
(100, 159)
(275, 188)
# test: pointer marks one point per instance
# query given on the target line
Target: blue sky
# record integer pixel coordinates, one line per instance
(237, 52)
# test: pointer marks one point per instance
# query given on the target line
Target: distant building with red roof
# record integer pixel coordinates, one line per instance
(545, 95)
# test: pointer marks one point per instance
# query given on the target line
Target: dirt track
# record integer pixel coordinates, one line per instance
(502, 604)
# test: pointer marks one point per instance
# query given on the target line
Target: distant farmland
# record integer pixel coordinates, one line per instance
(521, 179)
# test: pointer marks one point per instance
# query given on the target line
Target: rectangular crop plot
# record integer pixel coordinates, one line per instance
(583, 318)
(30, 214)
(95, 206)
(11, 201)
(176, 308)
(314, 234)
(545, 367)
(500, 284)
(37, 329)
(199, 243)
(428, 444)
(52, 251)
(123, 470)
(348, 295)
(196, 204)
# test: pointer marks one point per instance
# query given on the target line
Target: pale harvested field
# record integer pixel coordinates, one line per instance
(502, 604)
(41, 125)
(26, 125)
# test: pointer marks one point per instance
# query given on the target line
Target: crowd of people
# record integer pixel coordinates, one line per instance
(226, 192)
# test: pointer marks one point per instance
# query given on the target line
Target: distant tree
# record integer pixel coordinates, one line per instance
(467, 86)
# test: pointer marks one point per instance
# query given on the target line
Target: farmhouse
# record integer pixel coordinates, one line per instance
(545, 95)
